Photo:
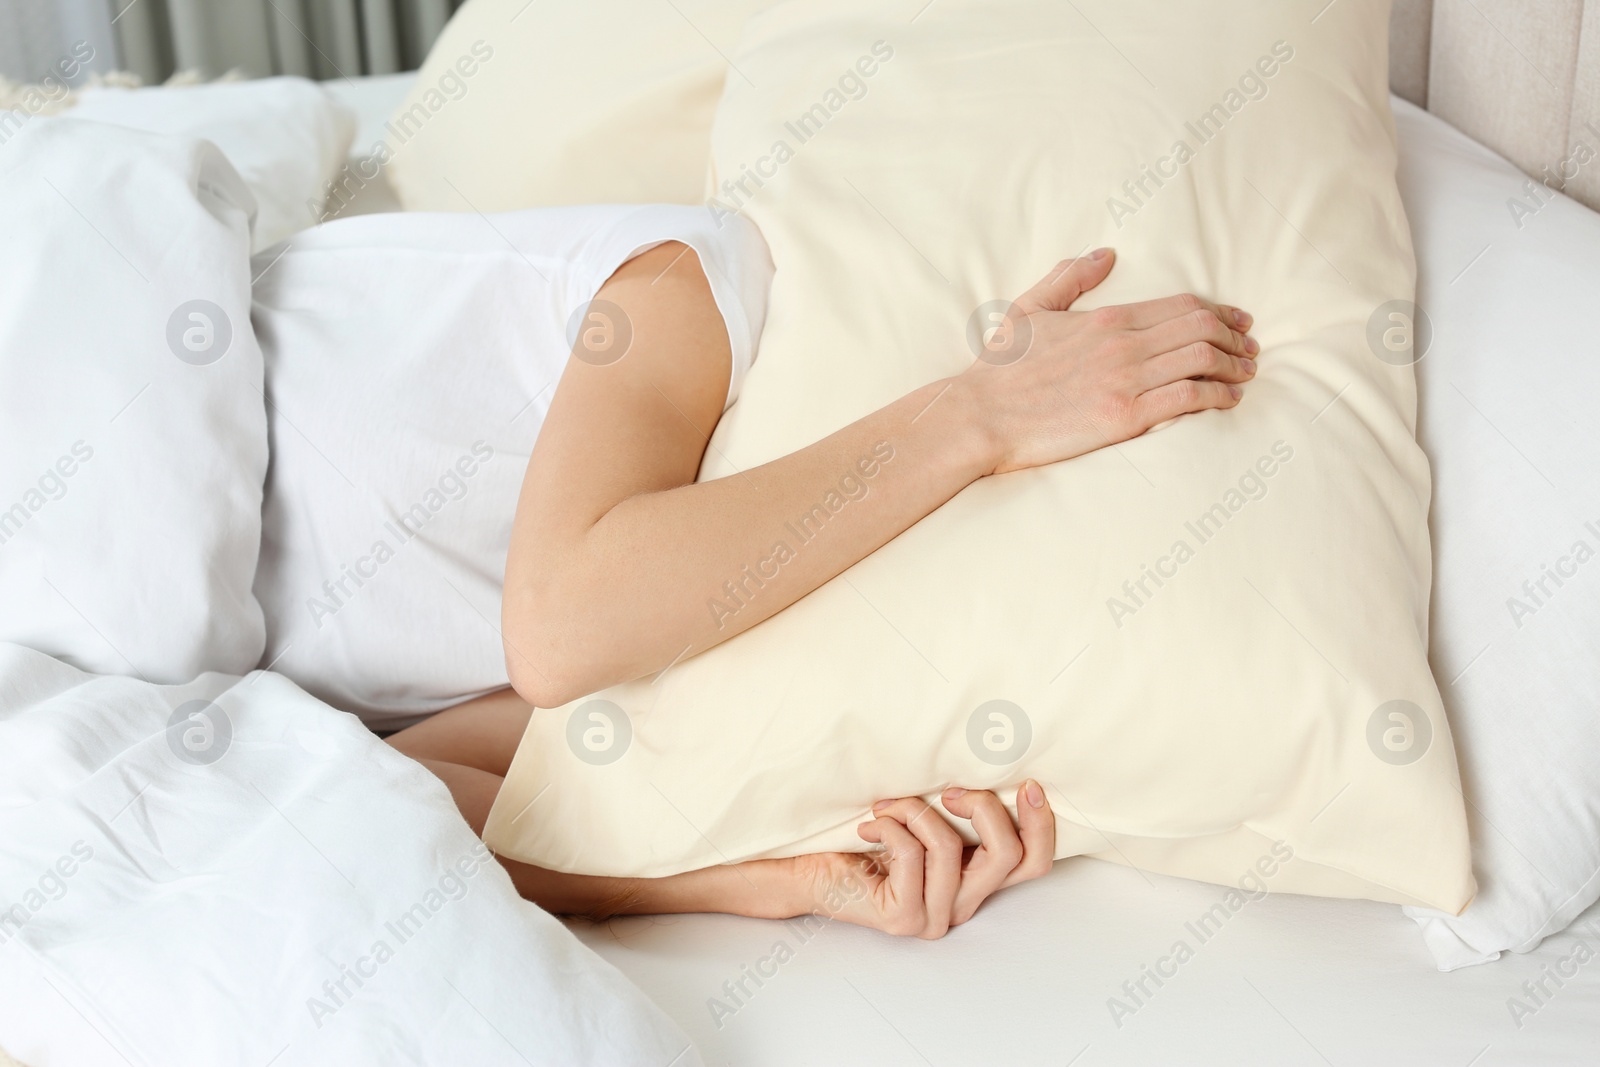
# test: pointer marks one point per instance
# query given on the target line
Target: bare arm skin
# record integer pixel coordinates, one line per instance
(616, 551)
(921, 882)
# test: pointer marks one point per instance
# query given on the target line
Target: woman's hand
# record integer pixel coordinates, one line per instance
(925, 880)
(609, 565)
(1051, 383)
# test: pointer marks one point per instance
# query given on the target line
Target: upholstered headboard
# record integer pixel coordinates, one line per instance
(1522, 76)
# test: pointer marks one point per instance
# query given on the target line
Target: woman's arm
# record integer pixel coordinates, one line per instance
(621, 564)
(921, 881)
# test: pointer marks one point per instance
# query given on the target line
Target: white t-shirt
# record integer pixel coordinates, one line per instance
(411, 359)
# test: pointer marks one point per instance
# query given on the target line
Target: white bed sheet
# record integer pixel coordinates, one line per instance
(1287, 980)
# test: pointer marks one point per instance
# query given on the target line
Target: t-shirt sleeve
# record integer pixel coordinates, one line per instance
(732, 253)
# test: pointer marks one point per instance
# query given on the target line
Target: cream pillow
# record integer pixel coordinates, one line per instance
(525, 104)
(1209, 643)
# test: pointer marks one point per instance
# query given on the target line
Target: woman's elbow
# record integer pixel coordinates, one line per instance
(533, 682)
(538, 677)
(541, 671)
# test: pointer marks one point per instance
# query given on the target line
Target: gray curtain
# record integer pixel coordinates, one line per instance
(313, 38)
(154, 38)
(38, 36)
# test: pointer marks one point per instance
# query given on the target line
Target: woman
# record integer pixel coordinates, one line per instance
(615, 544)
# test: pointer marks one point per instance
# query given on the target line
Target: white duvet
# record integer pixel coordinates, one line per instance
(225, 871)
(230, 872)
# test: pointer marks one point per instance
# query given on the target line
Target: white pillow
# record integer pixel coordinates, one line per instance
(286, 137)
(411, 359)
(1191, 709)
(1509, 276)
(132, 432)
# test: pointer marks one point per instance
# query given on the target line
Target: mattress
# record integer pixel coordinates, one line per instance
(1096, 963)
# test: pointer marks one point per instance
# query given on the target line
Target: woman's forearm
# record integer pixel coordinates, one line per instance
(759, 889)
(664, 575)
(921, 881)
(620, 564)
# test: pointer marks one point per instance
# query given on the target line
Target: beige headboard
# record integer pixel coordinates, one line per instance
(1522, 76)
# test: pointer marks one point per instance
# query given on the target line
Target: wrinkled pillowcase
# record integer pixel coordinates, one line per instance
(1209, 644)
(287, 138)
(133, 439)
(1516, 528)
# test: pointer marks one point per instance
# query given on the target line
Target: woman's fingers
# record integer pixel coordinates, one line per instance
(1118, 368)
(942, 854)
(1068, 280)
(928, 887)
(1009, 852)
(1204, 323)
(1181, 397)
(999, 850)
(1148, 313)
(903, 856)
(1036, 827)
(1199, 360)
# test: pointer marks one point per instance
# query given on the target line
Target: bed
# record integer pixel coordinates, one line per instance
(1289, 980)
(1073, 969)
(1046, 976)
(1080, 967)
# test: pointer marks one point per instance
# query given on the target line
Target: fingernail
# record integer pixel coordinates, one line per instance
(1235, 391)
(953, 792)
(1035, 794)
(1249, 365)
(1100, 253)
(880, 805)
(1251, 345)
(1242, 318)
